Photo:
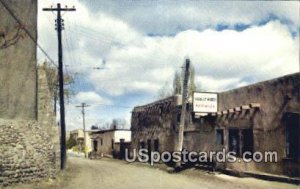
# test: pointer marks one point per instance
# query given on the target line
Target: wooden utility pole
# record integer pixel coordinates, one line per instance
(82, 106)
(183, 109)
(59, 27)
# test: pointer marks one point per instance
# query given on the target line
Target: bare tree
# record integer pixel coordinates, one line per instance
(177, 83)
(192, 85)
(165, 91)
(52, 79)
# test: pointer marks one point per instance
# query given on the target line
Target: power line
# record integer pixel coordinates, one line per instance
(27, 31)
(100, 104)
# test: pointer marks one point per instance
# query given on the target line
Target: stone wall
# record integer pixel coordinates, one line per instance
(18, 60)
(45, 112)
(29, 148)
(29, 137)
(27, 153)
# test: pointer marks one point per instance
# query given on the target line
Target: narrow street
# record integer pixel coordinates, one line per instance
(115, 174)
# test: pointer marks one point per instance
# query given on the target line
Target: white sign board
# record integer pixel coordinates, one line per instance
(205, 102)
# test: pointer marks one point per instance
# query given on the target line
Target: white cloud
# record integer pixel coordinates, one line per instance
(259, 52)
(91, 97)
(169, 17)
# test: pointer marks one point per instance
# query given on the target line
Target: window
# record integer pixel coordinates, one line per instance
(240, 141)
(234, 141)
(101, 142)
(220, 137)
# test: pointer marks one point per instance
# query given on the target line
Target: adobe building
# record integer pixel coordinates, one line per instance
(78, 136)
(257, 118)
(110, 142)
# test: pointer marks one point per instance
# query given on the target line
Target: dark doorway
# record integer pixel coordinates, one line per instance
(247, 138)
(156, 145)
(220, 137)
(234, 141)
(142, 146)
(95, 145)
(149, 148)
(292, 133)
(122, 149)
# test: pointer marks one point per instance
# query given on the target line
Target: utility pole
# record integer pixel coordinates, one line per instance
(183, 109)
(82, 106)
(59, 27)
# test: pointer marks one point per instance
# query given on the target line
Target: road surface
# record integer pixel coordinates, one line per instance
(115, 174)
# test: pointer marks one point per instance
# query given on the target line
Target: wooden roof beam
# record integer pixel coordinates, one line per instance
(245, 107)
(254, 105)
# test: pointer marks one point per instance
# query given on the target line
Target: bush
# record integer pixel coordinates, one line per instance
(71, 143)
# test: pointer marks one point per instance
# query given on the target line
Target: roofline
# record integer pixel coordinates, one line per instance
(262, 82)
(156, 102)
(109, 130)
(251, 85)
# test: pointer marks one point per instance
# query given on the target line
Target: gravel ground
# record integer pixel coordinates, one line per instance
(115, 174)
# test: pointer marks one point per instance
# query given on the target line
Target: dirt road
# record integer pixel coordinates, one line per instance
(114, 174)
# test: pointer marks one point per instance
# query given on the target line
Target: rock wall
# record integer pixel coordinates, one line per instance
(18, 60)
(29, 148)
(27, 153)
(29, 138)
(46, 114)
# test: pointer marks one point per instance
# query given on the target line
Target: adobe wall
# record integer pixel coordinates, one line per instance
(155, 121)
(18, 60)
(276, 97)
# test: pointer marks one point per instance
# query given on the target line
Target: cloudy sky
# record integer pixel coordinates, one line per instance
(140, 44)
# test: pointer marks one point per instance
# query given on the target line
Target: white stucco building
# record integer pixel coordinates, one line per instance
(110, 142)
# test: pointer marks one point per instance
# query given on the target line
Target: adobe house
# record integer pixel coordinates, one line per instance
(78, 135)
(257, 118)
(110, 142)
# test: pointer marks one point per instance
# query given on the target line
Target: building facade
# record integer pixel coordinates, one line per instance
(110, 142)
(78, 136)
(262, 117)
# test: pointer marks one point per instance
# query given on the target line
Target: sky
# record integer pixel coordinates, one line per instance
(139, 45)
